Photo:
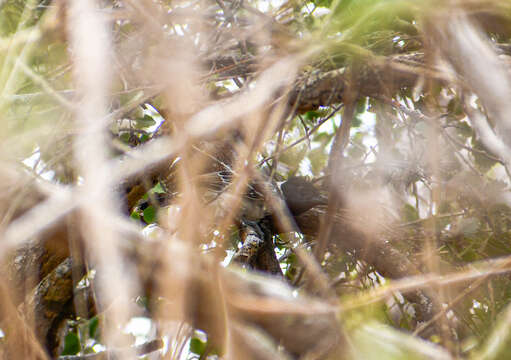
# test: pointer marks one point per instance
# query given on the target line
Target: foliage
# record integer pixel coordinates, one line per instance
(421, 172)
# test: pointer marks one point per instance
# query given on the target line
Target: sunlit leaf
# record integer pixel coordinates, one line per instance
(71, 344)
(93, 326)
(149, 214)
(145, 122)
(197, 346)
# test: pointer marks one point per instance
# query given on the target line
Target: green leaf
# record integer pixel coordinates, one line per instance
(142, 301)
(145, 122)
(71, 344)
(323, 3)
(158, 189)
(361, 106)
(292, 157)
(149, 214)
(469, 255)
(197, 346)
(322, 137)
(318, 159)
(93, 326)
(311, 115)
(125, 138)
(135, 215)
(357, 121)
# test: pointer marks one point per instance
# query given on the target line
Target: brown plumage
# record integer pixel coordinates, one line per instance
(301, 195)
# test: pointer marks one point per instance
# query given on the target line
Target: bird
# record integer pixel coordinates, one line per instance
(300, 195)
(257, 251)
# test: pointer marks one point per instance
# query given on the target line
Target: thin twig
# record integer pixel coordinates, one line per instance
(321, 122)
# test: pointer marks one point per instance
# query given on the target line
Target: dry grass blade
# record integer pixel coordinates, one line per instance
(151, 147)
(497, 344)
(471, 55)
(89, 37)
(484, 270)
